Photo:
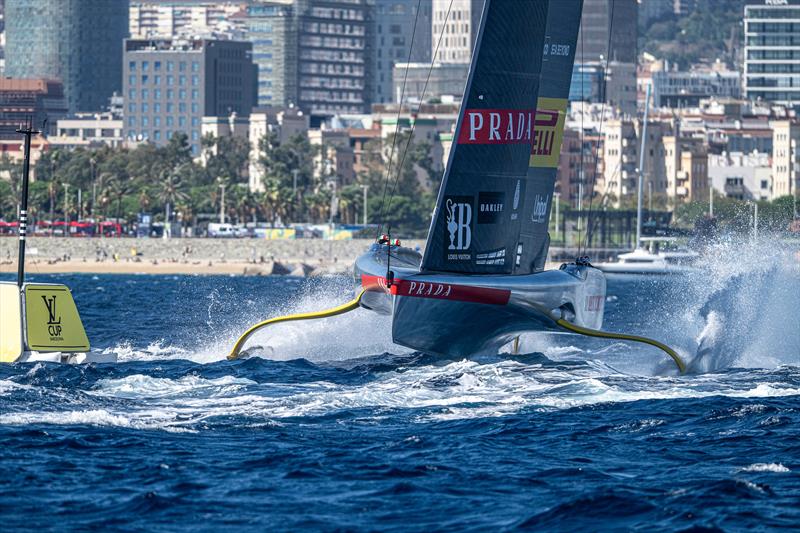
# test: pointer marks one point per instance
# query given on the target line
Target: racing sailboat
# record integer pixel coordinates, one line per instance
(481, 281)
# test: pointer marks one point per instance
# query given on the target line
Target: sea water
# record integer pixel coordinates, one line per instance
(337, 428)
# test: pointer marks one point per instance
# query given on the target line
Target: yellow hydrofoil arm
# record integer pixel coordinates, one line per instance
(625, 337)
(344, 308)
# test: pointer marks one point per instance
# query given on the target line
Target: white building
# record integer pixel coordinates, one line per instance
(460, 32)
(741, 176)
(785, 158)
(89, 129)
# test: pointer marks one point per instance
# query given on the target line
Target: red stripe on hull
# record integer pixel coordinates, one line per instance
(438, 291)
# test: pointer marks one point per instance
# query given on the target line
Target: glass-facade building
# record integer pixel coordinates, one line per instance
(271, 28)
(76, 41)
(772, 51)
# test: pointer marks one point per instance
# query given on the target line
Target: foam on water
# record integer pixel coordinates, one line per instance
(458, 390)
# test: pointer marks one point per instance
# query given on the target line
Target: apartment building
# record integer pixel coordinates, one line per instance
(785, 160)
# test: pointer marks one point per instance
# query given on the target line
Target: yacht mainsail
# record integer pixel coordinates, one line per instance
(493, 207)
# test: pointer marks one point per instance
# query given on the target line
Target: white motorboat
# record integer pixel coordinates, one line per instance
(652, 259)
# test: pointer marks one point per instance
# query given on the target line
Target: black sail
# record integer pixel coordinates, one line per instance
(493, 207)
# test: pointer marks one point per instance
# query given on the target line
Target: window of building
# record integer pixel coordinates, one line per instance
(169, 134)
(195, 122)
(182, 122)
(170, 66)
(132, 94)
(182, 94)
(145, 122)
(156, 135)
(170, 107)
(131, 80)
(195, 135)
(131, 121)
(131, 134)
(170, 121)
(195, 80)
(145, 65)
(156, 107)
(131, 108)
(195, 66)
(157, 80)
(195, 109)
(132, 66)
(145, 77)
(195, 94)
(181, 108)
(157, 94)
(145, 107)
(181, 80)
(145, 94)
(182, 66)
(170, 94)
(157, 66)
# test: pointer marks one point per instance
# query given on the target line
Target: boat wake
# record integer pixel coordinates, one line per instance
(738, 311)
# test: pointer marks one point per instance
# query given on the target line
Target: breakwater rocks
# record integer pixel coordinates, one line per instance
(301, 257)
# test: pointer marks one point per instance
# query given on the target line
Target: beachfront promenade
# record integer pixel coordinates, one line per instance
(304, 257)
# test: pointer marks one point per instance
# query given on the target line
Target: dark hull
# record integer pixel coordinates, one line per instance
(460, 315)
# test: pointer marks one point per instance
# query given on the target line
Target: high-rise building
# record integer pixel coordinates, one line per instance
(315, 54)
(170, 85)
(395, 23)
(272, 29)
(598, 24)
(335, 56)
(460, 20)
(772, 51)
(78, 42)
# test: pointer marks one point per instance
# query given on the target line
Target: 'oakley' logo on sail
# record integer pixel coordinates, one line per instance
(509, 126)
(459, 223)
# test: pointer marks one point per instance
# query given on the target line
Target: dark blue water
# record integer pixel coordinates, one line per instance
(341, 430)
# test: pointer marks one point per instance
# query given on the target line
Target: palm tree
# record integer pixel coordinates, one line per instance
(170, 193)
(118, 188)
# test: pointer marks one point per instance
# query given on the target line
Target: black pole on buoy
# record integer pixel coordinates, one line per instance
(28, 131)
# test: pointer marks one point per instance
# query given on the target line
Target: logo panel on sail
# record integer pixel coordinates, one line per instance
(458, 237)
(548, 133)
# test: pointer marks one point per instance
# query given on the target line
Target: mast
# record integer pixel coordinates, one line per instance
(27, 131)
(643, 144)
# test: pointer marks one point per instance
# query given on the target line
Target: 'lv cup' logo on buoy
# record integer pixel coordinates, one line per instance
(53, 320)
